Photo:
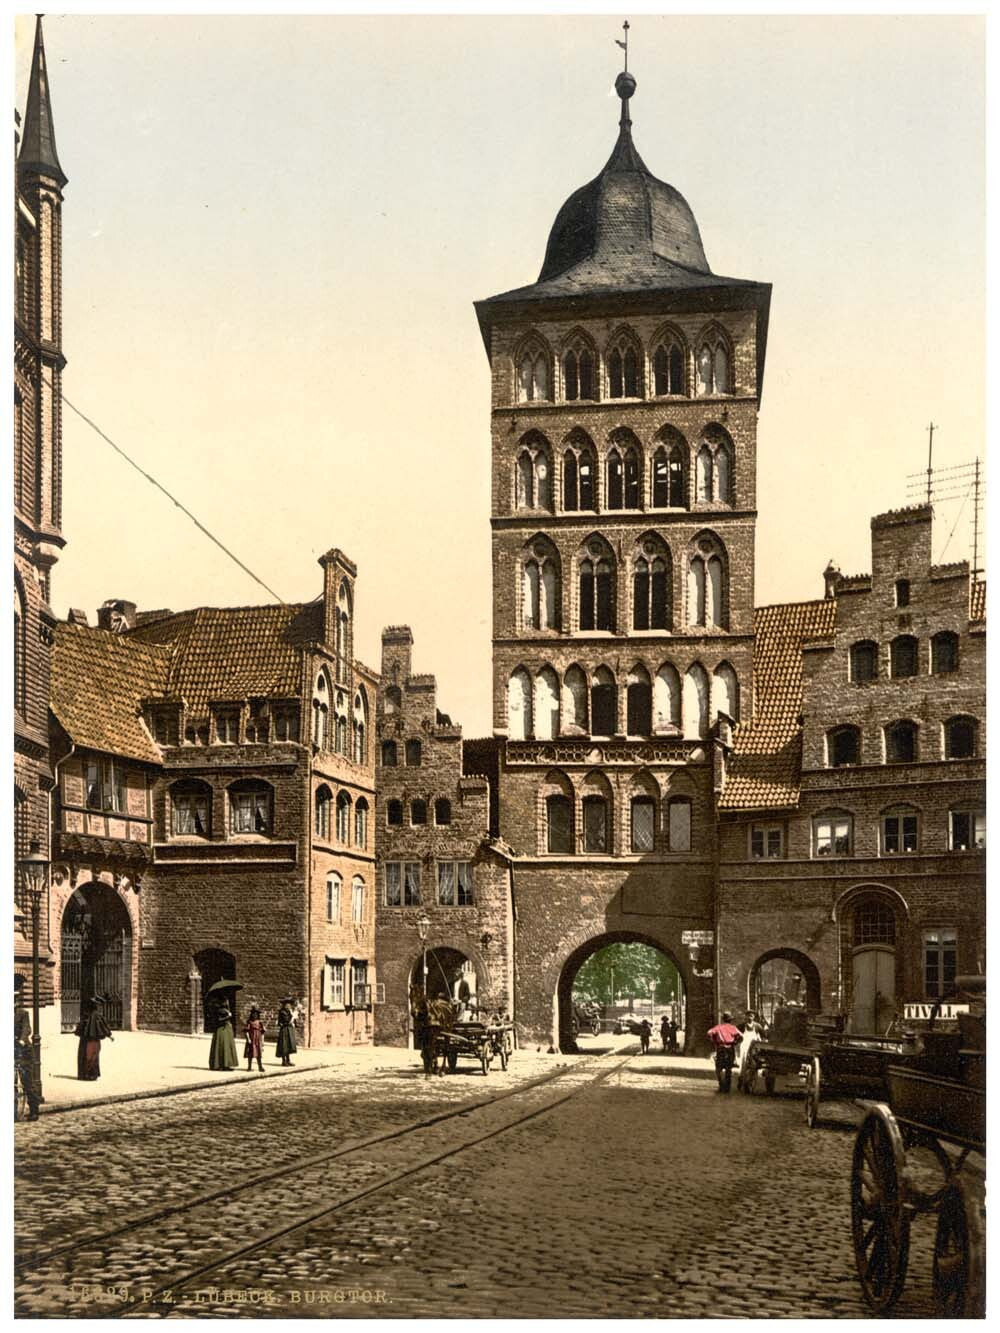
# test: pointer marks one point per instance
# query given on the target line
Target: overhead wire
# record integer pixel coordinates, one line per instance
(172, 498)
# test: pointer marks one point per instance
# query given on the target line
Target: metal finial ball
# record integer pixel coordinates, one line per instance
(625, 85)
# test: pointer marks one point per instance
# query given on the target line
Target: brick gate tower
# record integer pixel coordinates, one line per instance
(625, 389)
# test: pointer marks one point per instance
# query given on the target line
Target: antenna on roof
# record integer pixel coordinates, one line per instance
(962, 482)
(930, 455)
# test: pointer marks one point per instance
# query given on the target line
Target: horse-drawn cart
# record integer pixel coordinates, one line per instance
(936, 1103)
(851, 1067)
(481, 1042)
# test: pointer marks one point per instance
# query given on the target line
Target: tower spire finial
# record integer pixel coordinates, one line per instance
(625, 83)
(38, 139)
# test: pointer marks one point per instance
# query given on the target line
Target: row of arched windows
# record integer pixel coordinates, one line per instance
(348, 735)
(335, 899)
(419, 811)
(583, 821)
(412, 751)
(589, 703)
(900, 742)
(622, 477)
(581, 373)
(652, 585)
(249, 808)
(904, 657)
(324, 810)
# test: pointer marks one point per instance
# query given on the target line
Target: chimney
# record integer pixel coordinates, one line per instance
(831, 581)
(116, 615)
(76, 617)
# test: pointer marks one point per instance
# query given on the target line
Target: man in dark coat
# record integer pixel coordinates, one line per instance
(286, 1032)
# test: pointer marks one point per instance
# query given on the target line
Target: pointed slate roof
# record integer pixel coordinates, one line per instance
(38, 140)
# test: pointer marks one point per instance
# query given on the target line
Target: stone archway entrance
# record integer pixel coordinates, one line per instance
(660, 1003)
(451, 975)
(783, 977)
(95, 955)
(214, 965)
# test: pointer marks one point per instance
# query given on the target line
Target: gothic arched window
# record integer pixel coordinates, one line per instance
(651, 600)
(668, 367)
(596, 587)
(321, 820)
(712, 363)
(579, 371)
(578, 473)
(707, 583)
(519, 695)
(360, 728)
(533, 372)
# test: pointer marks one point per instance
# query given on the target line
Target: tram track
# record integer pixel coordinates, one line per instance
(85, 1250)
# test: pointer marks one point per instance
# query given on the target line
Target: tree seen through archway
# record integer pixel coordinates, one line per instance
(622, 972)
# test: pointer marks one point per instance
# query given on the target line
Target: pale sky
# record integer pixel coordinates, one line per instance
(274, 230)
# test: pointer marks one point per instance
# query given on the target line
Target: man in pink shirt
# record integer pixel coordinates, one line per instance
(725, 1037)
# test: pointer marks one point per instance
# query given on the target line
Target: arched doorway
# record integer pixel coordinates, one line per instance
(781, 978)
(870, 963)
(451, 975)
(619, 982)
(95, 955)
(214, 965)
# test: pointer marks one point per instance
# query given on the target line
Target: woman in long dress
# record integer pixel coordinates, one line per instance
(286, 1033)
(91, 1029)
(223, 1052)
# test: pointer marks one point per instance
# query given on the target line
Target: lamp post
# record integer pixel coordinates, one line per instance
(423, 926)
(652, 992)
(34, 872)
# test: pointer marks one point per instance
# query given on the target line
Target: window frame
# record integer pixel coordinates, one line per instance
(646, 802)
(899, 727)
(681, 838)
(835, 819)
(567, 804)
(189, 789)
(938, 641)
(332, 969)
(358, 903)
(899, 815)
(947, 728)
(853, 675)
(845, 730)
(334, 894)
(766, 832)
(255, 789)
(462, 884)
(977, 815)
(401, 879)
(931, 941)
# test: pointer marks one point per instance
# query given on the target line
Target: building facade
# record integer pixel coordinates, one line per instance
(853, 815)
(625, 388)
(436, 857)
(215, 815)
(38, 539)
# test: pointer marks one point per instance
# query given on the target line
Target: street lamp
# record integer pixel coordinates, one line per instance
(423, 926)
(34, 872)
(652, 992)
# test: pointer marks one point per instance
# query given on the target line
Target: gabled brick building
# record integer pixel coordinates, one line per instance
(853, 806)
(216, 811)
(38, 539)
(436, 855)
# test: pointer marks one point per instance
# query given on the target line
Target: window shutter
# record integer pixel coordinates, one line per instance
(324, 986)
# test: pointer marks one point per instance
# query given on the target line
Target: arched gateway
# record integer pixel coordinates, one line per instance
(95, 955)
(580, 955)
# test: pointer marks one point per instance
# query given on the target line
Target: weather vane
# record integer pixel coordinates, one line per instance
(624, 44)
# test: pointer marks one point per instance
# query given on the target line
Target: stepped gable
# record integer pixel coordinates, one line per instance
(235, 652)
(99, 680)
(765, 763)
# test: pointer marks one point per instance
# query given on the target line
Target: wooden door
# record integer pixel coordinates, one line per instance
(873, 989)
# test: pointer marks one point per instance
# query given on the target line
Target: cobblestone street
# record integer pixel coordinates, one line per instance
(570, 1187)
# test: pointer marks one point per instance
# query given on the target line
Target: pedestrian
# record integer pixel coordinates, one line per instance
(645, 1032)
(665, 1033)
(253, 1030)
(23, 1063)
(286, 1031)
(223, 1051)
(673, 1036)
(725, 1038)
(91, 1030)
(751, 1036)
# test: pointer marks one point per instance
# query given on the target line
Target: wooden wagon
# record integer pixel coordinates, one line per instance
(936, 1103)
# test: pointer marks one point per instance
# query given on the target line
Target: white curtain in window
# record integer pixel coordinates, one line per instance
(519, 705)
(524, 387)
(575, 700)
(543, 482)
(725, 692)
(696, 591)
(704, 474)
(705, 371)
(546, 705)
(723, 473)
(525, 478)
(721, 369)
(541, 378)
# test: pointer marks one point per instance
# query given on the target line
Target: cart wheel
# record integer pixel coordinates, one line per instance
(769, 1084)
(452, 1058)
(880, 1225)
(960, 1254)
(813, 1093)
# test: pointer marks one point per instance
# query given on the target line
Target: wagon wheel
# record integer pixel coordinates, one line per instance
(813, 1088)
(484, 1057)
(960, 1254)
(880, 1224)
(595, 1027)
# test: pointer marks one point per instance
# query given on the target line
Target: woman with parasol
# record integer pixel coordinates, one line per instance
(286, 1031)
(223, 1052)
(91, 1029)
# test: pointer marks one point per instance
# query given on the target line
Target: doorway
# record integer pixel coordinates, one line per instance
(95, 956)
(214, 965)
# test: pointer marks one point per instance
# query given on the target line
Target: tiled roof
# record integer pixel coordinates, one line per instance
(234, 652)
(763, 769)
(978, 611)
(98, 680)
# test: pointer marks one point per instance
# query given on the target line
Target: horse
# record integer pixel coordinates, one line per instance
(430, 1017)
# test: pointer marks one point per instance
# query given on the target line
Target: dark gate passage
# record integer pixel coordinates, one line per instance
(96, 955)
(604, 980)
(214, 965)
